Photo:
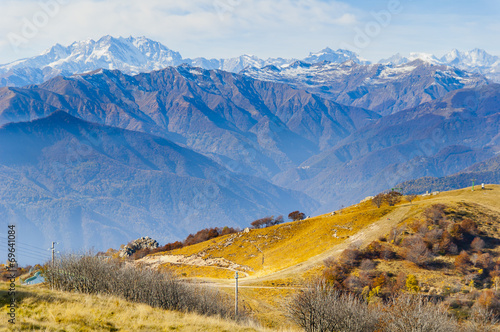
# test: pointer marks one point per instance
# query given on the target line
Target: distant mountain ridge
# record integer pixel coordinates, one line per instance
(487, 172)
(89, 185)
(138, 55)
(476, 61)
(382, 88)
(259, 128)
(132, 56)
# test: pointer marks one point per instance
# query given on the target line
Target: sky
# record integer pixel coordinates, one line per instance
(375, 29)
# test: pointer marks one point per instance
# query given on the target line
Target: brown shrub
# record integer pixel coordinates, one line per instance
(349, 257)
(336, 274)
(489, 300)
(416, 250)
(477, 244)
(392, 198)
(469, 226)
(485, 261)
(462, 262)
(435, 213)
(367, 265)
(378, 200)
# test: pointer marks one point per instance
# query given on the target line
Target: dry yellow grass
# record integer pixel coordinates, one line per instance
(46, 310)
(270, 251)
(190, 271)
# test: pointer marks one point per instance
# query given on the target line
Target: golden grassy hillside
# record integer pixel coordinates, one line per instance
(265, 251)
(264, 254)
(47, 310)
(274, 262)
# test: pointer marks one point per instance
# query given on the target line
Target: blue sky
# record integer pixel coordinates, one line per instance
(280, 28)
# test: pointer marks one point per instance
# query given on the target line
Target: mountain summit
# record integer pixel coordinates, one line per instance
(476, 61)
(132, 56)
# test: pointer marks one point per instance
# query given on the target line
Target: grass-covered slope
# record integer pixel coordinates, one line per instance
(40, 308)
(303, 245)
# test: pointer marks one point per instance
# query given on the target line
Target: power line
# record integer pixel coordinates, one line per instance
(2, 236)
(23, 251)
(39, 252)
(20, 244)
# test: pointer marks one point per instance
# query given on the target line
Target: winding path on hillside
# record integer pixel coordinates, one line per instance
(362, 238)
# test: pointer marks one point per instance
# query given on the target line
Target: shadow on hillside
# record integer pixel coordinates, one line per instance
(439, 265)
(22, 294)
(491, 242)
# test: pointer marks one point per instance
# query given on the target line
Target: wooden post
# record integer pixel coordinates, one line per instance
(236, 297)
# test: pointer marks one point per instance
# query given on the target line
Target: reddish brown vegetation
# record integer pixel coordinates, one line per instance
(201, 236)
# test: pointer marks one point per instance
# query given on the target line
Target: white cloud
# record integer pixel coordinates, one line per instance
(220, 28)
(182, 25)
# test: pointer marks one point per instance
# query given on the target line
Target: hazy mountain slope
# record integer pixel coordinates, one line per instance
(250, 126)
(385, 89)
(83, 185)
(435, 139)
(484, 172)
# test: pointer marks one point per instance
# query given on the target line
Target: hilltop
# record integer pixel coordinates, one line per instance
(274, 262)
(317, 237)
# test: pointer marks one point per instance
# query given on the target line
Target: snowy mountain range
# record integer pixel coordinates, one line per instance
(476, 61)
(132, 56)
(143, 141)
(381, 88)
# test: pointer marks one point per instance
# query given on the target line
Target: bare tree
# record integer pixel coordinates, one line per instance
(91, 275)
(323, 308)
(378, 200)
(416, 313)
(392, 198)
(411, 197)
(296, 215)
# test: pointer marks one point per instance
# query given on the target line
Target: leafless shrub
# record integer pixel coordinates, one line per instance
(480, 319)
(323, 308)
(378, 200)
(435, 213)
(395, 235)
(477, 244)
(367, 265)
(90, 275)
(349, 257)
(411, 197)
(392, 198)
(416, 313)
(416, 250)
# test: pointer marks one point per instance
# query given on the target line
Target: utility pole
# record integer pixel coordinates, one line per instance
(473, 180)
(53, 254)
(236, 297)
(53, 249)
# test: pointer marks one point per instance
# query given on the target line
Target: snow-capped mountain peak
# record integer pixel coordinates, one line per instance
(133, 55)
(337, 56)
(476, 60)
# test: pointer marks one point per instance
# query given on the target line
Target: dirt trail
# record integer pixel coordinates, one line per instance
(195, 260)
(362, 238)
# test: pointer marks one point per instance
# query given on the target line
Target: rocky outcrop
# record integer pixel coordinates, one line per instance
(139, 244)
